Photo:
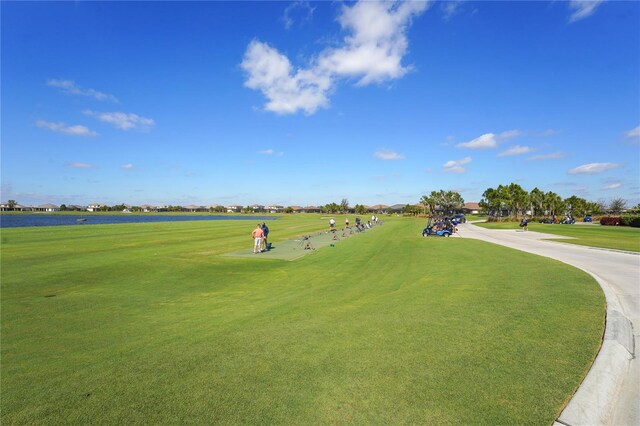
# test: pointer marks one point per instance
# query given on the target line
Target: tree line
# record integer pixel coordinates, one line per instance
(438, 203)
(513, 201)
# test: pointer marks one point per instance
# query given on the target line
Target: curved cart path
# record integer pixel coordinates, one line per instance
(610, 394)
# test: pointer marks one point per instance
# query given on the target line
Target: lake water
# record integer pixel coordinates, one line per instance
(22, 220)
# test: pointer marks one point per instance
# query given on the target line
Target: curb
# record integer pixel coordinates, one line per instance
(597, 396)
(594, 400)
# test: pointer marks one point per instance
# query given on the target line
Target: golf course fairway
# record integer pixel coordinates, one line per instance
(150, 323)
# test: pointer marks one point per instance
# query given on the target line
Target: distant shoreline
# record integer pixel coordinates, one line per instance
(50, 219)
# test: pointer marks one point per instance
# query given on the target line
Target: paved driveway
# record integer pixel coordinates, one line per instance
(610, 394)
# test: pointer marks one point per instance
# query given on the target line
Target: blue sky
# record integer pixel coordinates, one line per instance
(306, 103)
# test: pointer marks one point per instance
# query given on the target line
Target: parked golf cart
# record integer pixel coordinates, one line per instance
(588, 218)
(429, 232)
(439, 229)
(568, 220)
(459, 218)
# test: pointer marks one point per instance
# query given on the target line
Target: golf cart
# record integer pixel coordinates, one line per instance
(568, 220)
(459, 218)
(439, 229)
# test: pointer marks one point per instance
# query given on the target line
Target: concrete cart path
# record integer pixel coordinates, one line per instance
(610, 394)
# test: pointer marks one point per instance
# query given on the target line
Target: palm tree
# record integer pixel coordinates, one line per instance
(425, 203)
(536, 199)
(504, 196)
(552, 203)
(490, 201)
(518, 198)
(431, 201)
(576, 206)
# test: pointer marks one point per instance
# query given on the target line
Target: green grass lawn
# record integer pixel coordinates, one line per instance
(611, 237)
(146, 323)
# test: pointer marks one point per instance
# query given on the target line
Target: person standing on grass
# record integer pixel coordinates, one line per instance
(524, 224)
(257, 236)
(265, 232)
(346, 222)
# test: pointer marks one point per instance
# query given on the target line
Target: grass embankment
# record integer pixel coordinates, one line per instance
(145, 323)
(611, 237)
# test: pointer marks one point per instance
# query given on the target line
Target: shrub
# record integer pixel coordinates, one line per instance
(611, 220)
(632, 220)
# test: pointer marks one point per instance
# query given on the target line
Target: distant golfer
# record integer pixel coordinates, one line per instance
(524, 224)
(265, 232)
(257, 236)
(346, 222)
(332, 223)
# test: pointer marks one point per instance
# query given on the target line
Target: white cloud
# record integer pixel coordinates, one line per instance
(127, 166)
(488, 140)
(551, 156)
(271, 152)
(377, 42)
(509, 134)
(450, 8)
(70, 87)
(122, 120)
(594, 168)
(634, 134)
(287, 92)
(76, 130)
(372, 52)
(300, 11)
(612, 185)
(515, 150)
(455, 166)
(583, 8)
(388, 155)
(81, 166)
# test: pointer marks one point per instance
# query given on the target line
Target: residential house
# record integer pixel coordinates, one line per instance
(47, 208)
(274, 208)
(6, 207)
(148, 208)
(75, 208)
(471, 208)
(311, 209)
(234, 209)
(94, 207)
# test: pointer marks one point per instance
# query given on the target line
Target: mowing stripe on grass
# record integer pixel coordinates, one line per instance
(301, 246)
(151, 325)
